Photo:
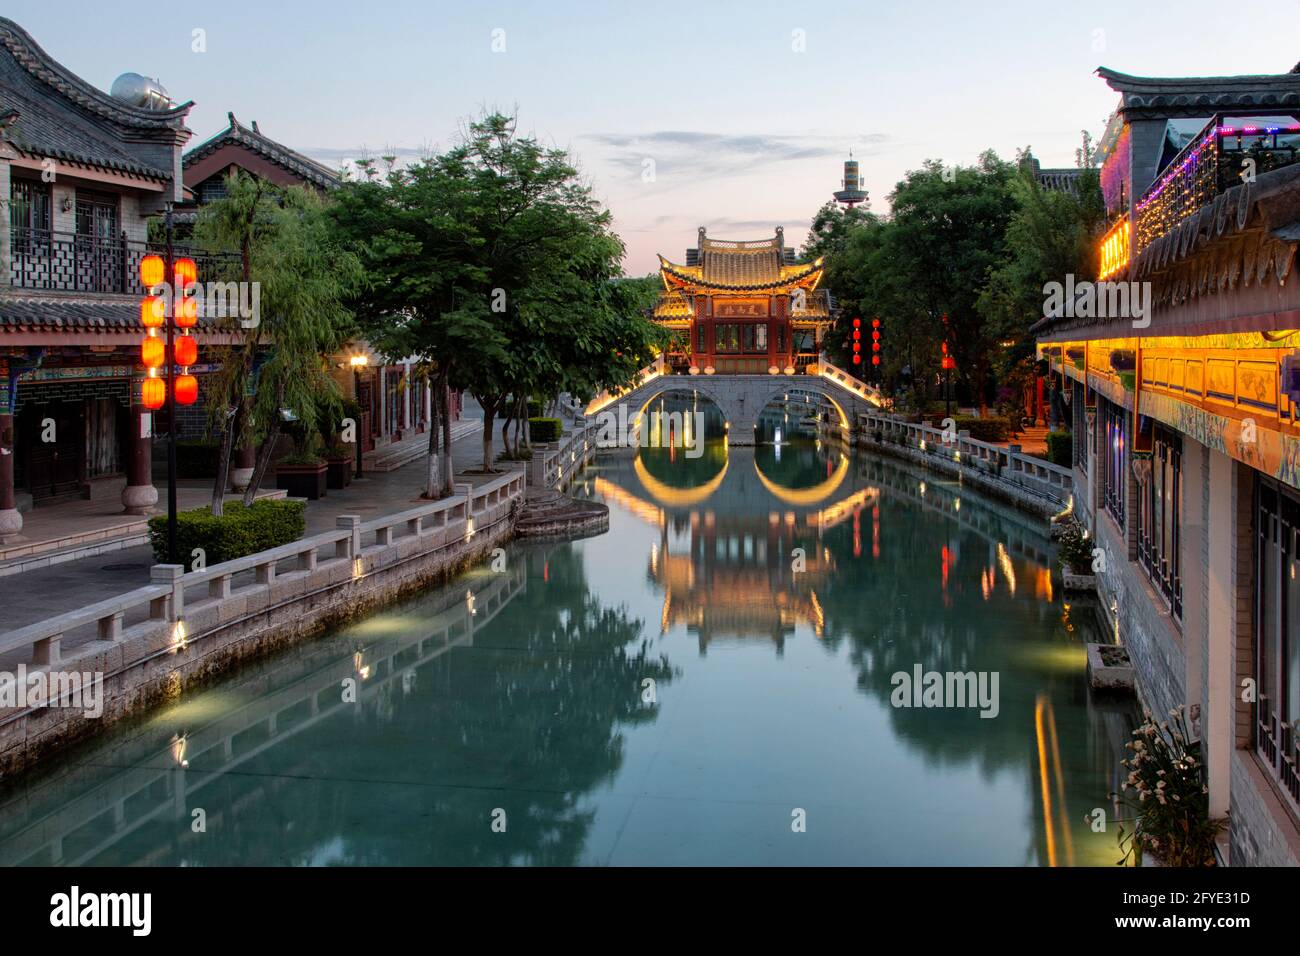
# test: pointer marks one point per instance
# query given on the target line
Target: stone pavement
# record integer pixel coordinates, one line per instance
(38, 594)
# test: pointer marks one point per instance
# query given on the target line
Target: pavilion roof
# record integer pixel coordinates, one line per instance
(740, 271)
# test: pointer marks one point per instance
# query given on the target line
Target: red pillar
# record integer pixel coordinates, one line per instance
(139, 496)
(11, 521)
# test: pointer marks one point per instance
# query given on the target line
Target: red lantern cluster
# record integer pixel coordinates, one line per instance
(949, 362)
(153, 315)
(875, 342)
(857, 341)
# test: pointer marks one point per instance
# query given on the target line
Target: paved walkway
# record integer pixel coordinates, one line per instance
(35, 595)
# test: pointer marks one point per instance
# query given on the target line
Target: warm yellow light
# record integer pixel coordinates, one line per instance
(1114, 249)
(358, 361)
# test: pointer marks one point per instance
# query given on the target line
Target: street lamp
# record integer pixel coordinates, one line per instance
(358, 362)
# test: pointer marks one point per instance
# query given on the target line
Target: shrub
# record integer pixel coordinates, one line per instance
(545, 429)
(1128, 380)
(1076, 546)
(196, 458)
(1060, 448)
(1167, 792)
(534, 408)
(267, 523)
(981, 429)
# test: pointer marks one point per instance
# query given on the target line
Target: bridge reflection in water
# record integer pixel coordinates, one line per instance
(525, 691)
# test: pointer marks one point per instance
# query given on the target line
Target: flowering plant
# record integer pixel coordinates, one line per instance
(1166, 790)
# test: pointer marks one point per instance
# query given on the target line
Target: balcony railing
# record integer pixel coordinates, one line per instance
(67, 262)
(1221, 156)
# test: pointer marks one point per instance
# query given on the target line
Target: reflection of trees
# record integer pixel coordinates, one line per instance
(524, 715)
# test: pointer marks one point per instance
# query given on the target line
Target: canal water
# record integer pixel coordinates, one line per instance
(719, 679)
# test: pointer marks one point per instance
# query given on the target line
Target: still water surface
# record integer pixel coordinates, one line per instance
(708, 683)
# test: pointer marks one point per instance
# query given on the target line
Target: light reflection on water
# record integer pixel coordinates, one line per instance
(668, 693)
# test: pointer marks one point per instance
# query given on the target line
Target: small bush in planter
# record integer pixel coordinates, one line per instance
(1060, 448)
(545, 429)
(1167, 792)
(1075, 547)
(266, 523)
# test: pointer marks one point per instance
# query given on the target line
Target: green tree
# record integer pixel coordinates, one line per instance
(278, 363)
(1051, 234)
(495, 264)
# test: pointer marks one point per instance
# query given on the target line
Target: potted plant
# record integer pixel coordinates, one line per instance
(338, 466)
(302, 474)
(1167, 792)
(1075, 555)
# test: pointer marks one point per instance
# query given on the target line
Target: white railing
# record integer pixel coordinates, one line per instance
(963, 453)
(648, 374)
(859, 388)
(439, 523)
(554, 464)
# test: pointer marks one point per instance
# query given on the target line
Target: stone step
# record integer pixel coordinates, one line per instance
(391, 457)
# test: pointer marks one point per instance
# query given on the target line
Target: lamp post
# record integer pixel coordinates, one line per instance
(358, 362)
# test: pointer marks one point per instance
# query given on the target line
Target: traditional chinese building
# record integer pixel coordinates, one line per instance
(743, 307)
(81, 171)
(1182, 374)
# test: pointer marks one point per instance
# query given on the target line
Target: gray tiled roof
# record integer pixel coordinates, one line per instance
(20, 313)
(1201, 95)
(253, 140)
(62, 116)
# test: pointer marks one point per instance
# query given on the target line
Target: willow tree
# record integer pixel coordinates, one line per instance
(277, 364)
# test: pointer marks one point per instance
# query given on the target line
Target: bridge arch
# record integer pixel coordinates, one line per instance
(740, 398)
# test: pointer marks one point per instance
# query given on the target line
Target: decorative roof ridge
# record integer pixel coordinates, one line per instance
(258, 142)
(1128, 83)
(29, 54)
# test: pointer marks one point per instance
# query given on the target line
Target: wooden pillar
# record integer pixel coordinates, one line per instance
(139, 496)
(11, 520)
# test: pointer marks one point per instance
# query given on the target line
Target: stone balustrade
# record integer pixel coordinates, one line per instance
(151, 640)
(1027, 479)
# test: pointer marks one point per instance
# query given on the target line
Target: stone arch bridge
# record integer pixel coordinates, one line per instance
(742, 398)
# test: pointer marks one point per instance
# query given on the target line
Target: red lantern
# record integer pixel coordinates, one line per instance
(187, 350)
(875, 360)
(875, 323)
(153, 393)
(857, 323)
(186, 273)
(152, 312)
(152, 352)
(857, 360)
(857, 334)
(187, 389)
(187, 312)
(152, 271)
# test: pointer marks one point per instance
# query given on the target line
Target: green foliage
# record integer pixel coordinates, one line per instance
(1075, 546)
(545, 429)
(1167, 791)
(266, 523)
(284, 242)
(990, 429)
(1128, 380)
(495, 263)
(1060, 448)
